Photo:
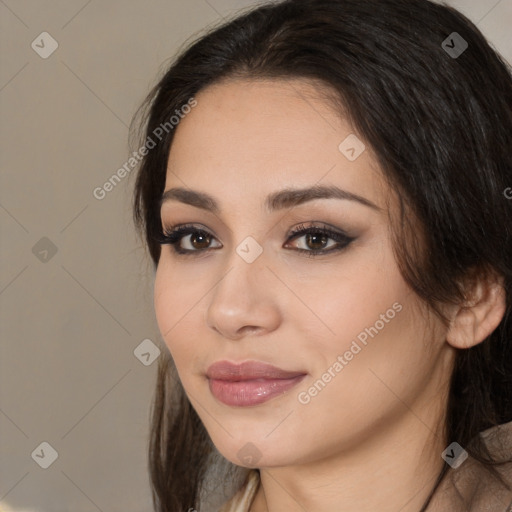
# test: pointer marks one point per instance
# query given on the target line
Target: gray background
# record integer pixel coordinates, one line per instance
(72, 320)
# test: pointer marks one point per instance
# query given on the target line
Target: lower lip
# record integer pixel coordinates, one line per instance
(250, 392)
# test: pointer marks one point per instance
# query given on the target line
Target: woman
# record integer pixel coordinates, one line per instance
(322, 193)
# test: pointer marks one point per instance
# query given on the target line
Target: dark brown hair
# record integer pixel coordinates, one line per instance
(440, 126)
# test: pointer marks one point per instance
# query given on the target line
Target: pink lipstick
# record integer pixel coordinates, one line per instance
(249, 383)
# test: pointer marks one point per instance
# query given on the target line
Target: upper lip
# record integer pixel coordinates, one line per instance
(248, 370)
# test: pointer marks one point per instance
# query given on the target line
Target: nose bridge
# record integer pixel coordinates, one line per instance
(246, 253)
(243, 296)
(245, 269)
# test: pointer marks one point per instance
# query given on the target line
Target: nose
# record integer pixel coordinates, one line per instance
(245, 300)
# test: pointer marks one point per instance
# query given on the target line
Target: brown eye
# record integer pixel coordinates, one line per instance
(316, 241)
(187, 240)
(200, 240)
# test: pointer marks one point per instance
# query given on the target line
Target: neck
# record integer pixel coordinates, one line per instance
(396, 468)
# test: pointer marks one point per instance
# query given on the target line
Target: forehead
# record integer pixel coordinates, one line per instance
(248, 137)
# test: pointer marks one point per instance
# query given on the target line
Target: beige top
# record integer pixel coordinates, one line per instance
(242, 500)
(468, 488)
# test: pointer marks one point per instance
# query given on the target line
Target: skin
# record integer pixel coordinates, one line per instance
(378, 423)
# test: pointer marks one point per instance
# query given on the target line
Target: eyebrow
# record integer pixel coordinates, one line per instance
(280, 200)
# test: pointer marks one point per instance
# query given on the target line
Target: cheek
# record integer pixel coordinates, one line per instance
(176, 291)
(382, 341)
(346, 399)
(164, 299)
(351, 297)
(174, 297)
(376, 326)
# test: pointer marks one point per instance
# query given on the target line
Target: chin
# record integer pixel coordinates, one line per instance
(254, 451)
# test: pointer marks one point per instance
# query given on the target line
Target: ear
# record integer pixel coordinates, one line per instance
(474, 320)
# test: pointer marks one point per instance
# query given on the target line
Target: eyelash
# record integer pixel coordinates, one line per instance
(173, 236)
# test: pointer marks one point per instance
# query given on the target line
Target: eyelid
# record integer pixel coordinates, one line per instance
(318, 226)
(173, 235)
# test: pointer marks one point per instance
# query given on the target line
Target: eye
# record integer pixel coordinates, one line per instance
(189, 239)
(194, 239)
(316, 239)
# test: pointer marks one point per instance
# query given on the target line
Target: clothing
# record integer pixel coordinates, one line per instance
(468, 488)
(243, 499)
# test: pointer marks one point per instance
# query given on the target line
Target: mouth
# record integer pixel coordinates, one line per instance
(249, 383)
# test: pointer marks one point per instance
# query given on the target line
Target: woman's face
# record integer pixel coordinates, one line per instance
(364, 355)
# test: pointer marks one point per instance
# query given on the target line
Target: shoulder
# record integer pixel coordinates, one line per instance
(473, 487)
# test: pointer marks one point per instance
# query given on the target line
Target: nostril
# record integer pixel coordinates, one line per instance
(249, 329)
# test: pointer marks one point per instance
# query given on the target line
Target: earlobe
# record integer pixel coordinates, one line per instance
(476, 319)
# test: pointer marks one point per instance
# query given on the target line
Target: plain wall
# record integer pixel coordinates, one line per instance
(70, 321)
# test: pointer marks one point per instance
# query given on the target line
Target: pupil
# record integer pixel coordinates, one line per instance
(202, 245)
(321, 237)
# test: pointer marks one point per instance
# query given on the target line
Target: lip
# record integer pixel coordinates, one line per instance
(249, 383)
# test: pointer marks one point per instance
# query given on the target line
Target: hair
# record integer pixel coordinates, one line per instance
(440, 128)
